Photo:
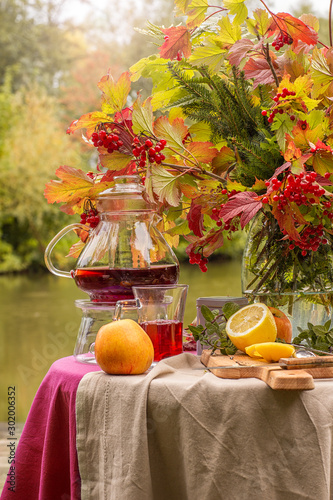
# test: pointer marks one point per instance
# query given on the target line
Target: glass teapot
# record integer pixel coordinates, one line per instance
(125, 249)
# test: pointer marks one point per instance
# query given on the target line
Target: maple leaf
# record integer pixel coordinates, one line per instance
(182, 5)
(142, 116)
(195, 219)
(174, 133)
(177, 40)
(116, 160)
(245, 204)
(204, 152)
(323, 162)
(259, 69)
(321, 72)
(260, 24)
(208, 54)
(88, 121)
(223, 160)
(211, 241)
(196, 13)
(165, 185)
(73, 186)
(287, 219)
(236, 8)
(115, 94)
(229, 32)
(77, 248)
(298, 30)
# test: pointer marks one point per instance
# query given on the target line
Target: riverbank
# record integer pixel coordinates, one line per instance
(5, 439)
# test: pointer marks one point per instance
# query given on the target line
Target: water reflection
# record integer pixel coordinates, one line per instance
(39, 323)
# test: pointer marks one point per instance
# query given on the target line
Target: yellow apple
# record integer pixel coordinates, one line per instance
(123, 348)
(283, 325)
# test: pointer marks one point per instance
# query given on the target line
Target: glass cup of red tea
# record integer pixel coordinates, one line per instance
(160, 312)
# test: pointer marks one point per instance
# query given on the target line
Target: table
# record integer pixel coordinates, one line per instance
(173, 434)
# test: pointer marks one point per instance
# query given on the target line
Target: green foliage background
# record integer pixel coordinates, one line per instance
(49, 69)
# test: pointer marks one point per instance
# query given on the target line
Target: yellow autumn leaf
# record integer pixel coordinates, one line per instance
(236, 8)
(115, 94)
(142, 116)
(229, 32)
(196, 13)
(208, 54)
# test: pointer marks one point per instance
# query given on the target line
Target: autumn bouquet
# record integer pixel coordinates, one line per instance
(237, 131)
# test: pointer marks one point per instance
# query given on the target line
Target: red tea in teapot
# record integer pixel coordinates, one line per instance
(110, 285)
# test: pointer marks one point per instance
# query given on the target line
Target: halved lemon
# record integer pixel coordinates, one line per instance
(252, 324)
(270, 351)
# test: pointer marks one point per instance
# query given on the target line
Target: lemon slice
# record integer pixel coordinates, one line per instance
(252, 324)
(271, 351)
(251, 351)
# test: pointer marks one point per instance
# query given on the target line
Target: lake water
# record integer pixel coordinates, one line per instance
(39, 323)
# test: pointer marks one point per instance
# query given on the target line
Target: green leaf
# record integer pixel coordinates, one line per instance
(230, 308)
(208, 54)
(207, 313)
(196, 331)
(165, 185)
(142, 117)
(173, 133)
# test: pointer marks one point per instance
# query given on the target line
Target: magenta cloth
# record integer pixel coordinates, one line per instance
(46, 464)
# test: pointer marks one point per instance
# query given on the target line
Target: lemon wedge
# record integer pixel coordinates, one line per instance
(250, 325)
(251, 351)
(270, 351)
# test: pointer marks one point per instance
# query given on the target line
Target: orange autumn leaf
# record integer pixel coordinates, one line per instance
(204, 152)
(89, 122)
(73, 185)
(177, 41)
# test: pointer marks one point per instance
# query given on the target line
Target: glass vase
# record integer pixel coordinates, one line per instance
(299, 285)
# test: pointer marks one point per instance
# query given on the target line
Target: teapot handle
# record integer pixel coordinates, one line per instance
(52, 244)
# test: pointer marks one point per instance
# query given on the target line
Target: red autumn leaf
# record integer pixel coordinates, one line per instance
(259, 69)
(288, 219)
(239, 50)
(177, 41)
(210, 242)
(195, 219)
(297, 30)
(245, 204)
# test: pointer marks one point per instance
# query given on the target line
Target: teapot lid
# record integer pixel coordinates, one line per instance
(125, 195)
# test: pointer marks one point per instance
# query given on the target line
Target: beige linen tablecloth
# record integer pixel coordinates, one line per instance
(180, 434)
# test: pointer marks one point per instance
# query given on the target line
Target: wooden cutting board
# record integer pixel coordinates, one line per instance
(274, 375)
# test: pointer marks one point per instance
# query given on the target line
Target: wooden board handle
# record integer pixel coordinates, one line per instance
(287, 379)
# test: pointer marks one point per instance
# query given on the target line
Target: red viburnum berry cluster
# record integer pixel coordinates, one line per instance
(216, 214)
(90, 217)
(281, 40)
(110, 142)
(285, 93)
(303, 189)
(311, 238)
(148, 150)
(197, 258)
